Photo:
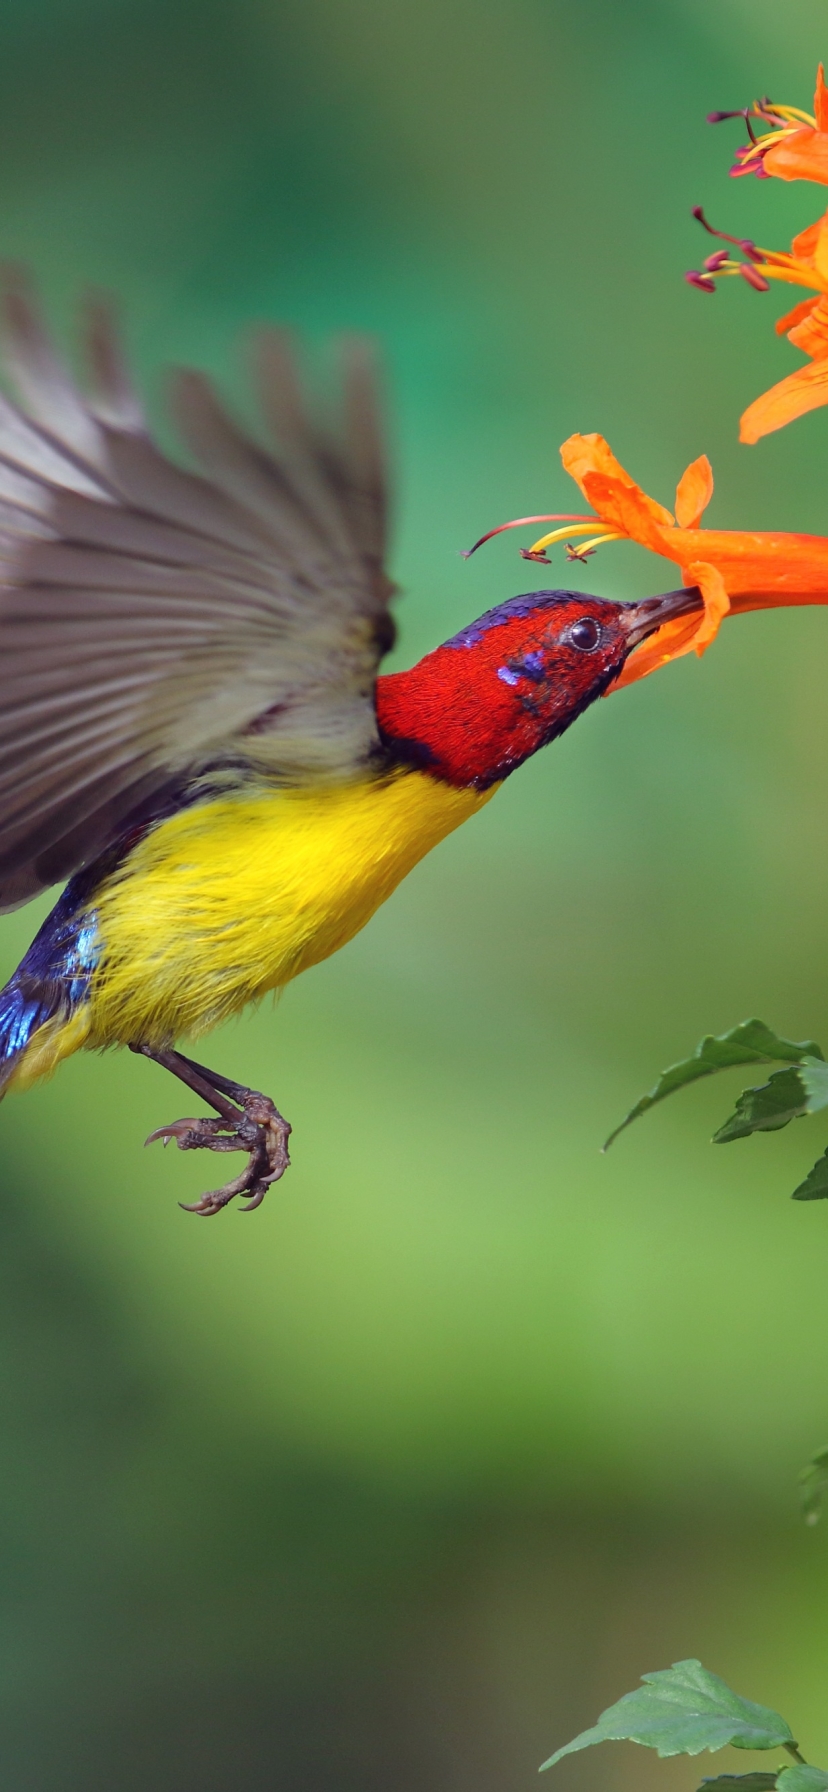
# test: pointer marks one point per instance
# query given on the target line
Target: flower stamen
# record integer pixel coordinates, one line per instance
(758, 268)
(784, 121)
(591, 526)
(520, 522)
(745, 243)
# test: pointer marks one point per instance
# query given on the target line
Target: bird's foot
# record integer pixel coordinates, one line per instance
(254, 1126)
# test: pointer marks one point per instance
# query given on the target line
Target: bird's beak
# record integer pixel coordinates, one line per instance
(641, 620)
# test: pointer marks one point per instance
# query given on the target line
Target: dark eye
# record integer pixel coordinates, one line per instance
(585, 634)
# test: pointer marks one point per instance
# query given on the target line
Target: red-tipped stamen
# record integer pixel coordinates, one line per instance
(745, 243)
(747, 163)
(741, 112)
(754, 278)
(778, 117)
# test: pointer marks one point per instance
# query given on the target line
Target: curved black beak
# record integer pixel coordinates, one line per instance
(641, 620)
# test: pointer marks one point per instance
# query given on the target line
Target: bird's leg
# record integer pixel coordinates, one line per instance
(246, 1121)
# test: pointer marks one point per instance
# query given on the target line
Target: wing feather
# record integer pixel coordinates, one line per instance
(27, 449)
(364, 453)
(253, 477)
(114, 397)
(156, 621)
(129, 532)
(45, 387)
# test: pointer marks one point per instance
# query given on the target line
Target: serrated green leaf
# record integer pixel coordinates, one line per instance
(680, 1711)
(786, 1096)
(813, 1074)
(739, 1782)
(752, 1042)
(802, 1778)
(765, 1109)
(815, 1186)
(813, 1487)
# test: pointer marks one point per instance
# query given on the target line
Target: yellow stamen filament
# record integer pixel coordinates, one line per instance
(777, 266)
(763, 143)
(548, 541)
(598, 541)
(794, 273)
(790, 112)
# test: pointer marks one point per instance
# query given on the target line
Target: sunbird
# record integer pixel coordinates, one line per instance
(193, 730)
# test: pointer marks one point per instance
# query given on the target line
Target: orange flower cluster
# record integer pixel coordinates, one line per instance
(735, 570)
(793, 147)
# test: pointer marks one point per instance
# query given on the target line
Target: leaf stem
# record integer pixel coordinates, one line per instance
(793, 1749)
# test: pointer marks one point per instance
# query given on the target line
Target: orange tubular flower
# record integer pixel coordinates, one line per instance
(735, 570)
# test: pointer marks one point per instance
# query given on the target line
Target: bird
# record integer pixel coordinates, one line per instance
(194, 736)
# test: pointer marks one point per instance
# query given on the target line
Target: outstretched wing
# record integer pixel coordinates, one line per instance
(155, 621)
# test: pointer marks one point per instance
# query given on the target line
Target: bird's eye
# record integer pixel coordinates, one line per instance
(584, 634)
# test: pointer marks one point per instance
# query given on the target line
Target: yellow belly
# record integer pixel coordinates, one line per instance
(226, 901)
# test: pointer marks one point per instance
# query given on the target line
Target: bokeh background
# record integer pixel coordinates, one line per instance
(399, 1481)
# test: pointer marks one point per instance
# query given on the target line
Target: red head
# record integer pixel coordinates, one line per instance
(477, 707)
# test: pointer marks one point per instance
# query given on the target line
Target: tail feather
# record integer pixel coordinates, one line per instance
(50, 984)
(25, 1006)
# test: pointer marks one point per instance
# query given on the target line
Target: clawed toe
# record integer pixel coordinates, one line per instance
(249, 1122)
(214, 1199)
(191, 1135)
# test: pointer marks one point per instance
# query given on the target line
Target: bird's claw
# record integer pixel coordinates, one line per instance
(190, 1135)
(260, 1130)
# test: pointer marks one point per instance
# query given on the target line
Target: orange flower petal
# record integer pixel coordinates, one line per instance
(687, 634)
(586, 456)
(811, 333)
(802, 156)
(612, 493)
(794, 316)
(802, 391)
(694, 492)
(716, 602)
(628, 510)
(804, 244)
(668, 643)
(761, 569)
(821, 250)
(590, 454)
(821, 101)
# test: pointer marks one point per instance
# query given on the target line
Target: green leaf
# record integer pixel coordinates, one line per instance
(679, 1711)
(815, 1186)
(765, 1109)
(813, 1487)
(786, 1096)
(752, 1042)
(802, 1778)
(739, 1782)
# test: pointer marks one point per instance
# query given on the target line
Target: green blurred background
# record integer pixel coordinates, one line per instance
(397, 1482)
